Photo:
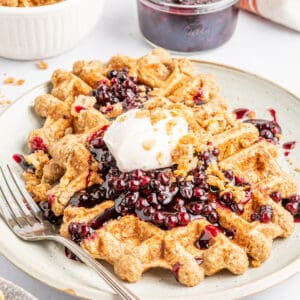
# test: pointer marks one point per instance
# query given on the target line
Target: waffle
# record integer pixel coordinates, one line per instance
(236, 223)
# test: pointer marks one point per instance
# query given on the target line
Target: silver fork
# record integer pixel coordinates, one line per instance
(25, 219)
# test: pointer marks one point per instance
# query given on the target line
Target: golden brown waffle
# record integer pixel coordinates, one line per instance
(62, 165)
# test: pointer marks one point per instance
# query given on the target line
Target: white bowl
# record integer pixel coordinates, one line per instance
(44, 31)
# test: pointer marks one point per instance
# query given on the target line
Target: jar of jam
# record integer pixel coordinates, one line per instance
(187, 25)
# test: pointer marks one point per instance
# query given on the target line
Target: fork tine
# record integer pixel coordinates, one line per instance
(18, 196)
(6, 212)
(26, 196)
(10, 201)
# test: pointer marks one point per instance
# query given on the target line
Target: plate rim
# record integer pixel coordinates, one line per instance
(18, 288)
(243, 290)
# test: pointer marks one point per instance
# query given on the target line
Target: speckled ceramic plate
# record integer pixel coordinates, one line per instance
(13, 292)
(47, 262)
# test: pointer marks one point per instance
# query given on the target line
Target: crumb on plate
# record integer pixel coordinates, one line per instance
(9, 80)
(20, 82)
(43, 65)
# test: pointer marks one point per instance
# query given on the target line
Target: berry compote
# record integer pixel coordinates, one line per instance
(156, 196)
(291, 203)
(187, 25)
(268, 130)
(119, 88)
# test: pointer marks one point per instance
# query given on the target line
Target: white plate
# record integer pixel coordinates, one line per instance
(47, 262)
(12, 292)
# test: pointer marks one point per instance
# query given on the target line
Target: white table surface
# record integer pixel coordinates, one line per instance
(258, 46)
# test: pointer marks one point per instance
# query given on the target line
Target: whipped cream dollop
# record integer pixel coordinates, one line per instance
(139, 140)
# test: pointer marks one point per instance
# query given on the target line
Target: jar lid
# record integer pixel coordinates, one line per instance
(190, 6)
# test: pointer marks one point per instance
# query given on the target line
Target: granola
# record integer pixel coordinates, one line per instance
(27, 3)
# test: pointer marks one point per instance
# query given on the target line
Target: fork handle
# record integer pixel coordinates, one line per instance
(106, 275)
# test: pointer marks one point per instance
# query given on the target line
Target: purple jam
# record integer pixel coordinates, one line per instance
(154, 196)
(268, 130)
(119, 88)
(186, 25)
(292, 204)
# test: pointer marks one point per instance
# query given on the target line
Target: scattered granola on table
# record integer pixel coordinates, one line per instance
(20, 82)
(9, 80)
(43, 65)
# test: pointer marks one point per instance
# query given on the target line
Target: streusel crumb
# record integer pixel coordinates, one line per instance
(20, 82)
(43, 65)
(9, 80)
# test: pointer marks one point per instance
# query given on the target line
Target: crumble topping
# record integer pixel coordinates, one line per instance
(148, 144)
(43, 65)
(9, 80)
(160, 158)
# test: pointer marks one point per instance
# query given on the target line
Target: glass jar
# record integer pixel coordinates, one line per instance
(181, 27)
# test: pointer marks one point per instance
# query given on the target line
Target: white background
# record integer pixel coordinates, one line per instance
(258, 46)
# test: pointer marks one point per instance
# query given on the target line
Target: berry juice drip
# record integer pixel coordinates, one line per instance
(208, 233)
(291, 204)
(288, 146)
(273, 113)
(241, 113)
(269, 130)
(20, 160)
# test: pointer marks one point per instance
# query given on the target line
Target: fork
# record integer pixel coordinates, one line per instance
(25, 219)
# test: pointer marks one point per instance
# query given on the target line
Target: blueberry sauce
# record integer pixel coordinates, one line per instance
(79, 232)
(199, 260)
(49, 214)
(207, 235)
(79, 108)
(241, 113)
(268, 130)
(71, 255)
(276, 196)
(264, 214)
(175, 270)
(156, 196)
(198, 98)
(89, 197)
(119, 88)
(108, 214)
(190, 2)
(288, 146)
(273, 113)
(183, 28)
(291, 204)
(20, 160)
(37, 143)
